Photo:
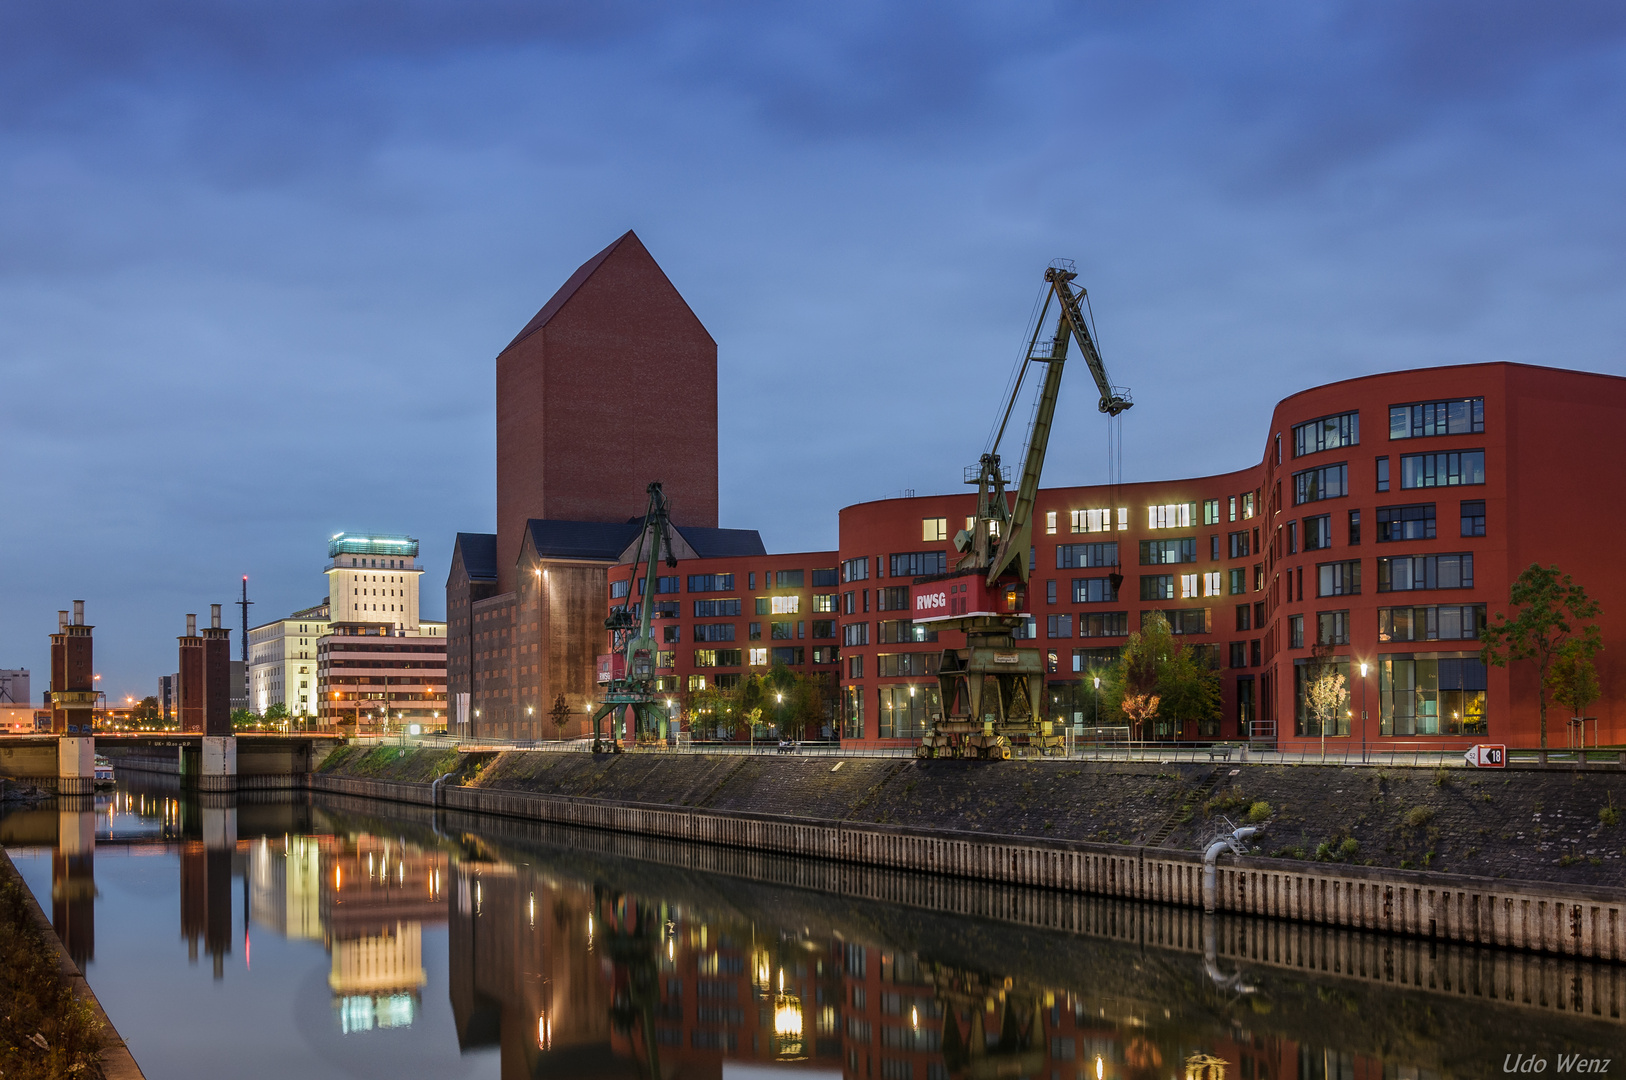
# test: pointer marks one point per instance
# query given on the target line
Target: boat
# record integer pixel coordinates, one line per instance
(104, 772)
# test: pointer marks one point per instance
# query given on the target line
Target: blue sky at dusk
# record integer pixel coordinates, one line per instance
(256, 259)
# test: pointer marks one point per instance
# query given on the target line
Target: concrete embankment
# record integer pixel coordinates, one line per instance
(1125, 830)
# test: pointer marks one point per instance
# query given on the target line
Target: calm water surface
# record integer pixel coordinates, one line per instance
(311, 938)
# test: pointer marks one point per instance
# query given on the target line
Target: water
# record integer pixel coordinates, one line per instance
(324, 937)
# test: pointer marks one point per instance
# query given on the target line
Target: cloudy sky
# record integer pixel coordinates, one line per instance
(256, 258)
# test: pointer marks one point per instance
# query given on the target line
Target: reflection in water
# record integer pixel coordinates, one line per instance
(576, 954)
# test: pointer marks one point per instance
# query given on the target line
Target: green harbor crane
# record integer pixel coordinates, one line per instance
(628, 671)
(992, 691)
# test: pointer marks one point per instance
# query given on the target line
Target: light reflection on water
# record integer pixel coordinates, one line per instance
(490, 948)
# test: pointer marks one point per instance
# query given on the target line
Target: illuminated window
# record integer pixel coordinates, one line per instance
(759, 657)
(824, 603)
(1295, 631)
(1188, 586)
(1211, 513)
(1247, 505)
(1050, 522)
(1088, 521)
(1170, 516)
(1123, 517)
(1233, 507)
(697, 682)
(933, 529)
(785, 605)
(1211, 583)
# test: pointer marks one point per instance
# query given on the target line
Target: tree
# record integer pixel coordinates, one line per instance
(1324, 694)
(1550, 611)
(559, 714)
(1158, 676)
(242, 719)
(1573, 678)
(147, 710)
(277, 713)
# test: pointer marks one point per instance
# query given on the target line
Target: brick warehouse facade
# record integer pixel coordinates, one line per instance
(1389, 518)
(581, 391)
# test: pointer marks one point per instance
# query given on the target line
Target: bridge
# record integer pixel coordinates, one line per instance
(65, 764)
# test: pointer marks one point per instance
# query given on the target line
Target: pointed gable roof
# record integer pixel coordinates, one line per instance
(479, 554)
(579, 278)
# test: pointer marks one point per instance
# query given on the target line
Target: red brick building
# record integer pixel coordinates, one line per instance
(1388, 518)
(718, 619)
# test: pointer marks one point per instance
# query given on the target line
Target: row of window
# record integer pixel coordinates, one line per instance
(789, 655)
(1436, 622)
(777, 631)
(702, 583)
(1455, 416)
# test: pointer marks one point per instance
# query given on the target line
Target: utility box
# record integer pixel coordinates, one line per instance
(611, 667)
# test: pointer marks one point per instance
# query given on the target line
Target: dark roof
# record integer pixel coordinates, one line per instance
(582, 539)
(479, 551)
(566, 291)
(721, 543)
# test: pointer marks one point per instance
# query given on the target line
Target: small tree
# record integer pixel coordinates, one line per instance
(1573, 679)
(242, 719)
(1325, 694)
(1158, 676)
(1551, 610)
(1139, 710)
(560, 715)
(147, 710)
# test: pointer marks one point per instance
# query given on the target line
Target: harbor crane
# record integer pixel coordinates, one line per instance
(627, 672)
(992, 691)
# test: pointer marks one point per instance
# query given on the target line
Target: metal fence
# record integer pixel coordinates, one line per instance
(1415, 756)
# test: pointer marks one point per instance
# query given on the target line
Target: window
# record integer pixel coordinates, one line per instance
(903, 716)
(1027, 631)
(1383, 474)
(666, 609)
(1095, 660)
(671, 635)
(823, 628)
(1238, 544)
(755, 631)
(1415, 522)
(782, 631)
(1088, 521)
(827, 578)
(919, 563)
(824, 603)
(1295, 631)
(1292, 537)
(784, 605)
(933, 530)
(787, 579)
(1059, 626)
(1099, 590)
(758, 657)
(1239, 654)
(711, 582)
(1327, 482)
(668, 584)
(1473, 517)
(1084, 556)
(790, 655)
(1211, 584)
(1448, 468)
(1182, 620)
(1159, 552)
(855, 666)
(711, 658)
(855, 570)
(697, 683)
(1458, 416)
(1332, 628)
(1354, 527)
(1103, 624)
(618, 589)
(898, 665)
(1437, 694)
(1211, 512)
(855, 633)
(1409, 572)
(1170, 516)
(1233, 507)
(1247, 505)
(1244, 616)
(713, 632)
(1339, 578)
(1213, 547)
(1327, 433)
(904, 630)
(892, 598)
(1239, 581)
(1440, 622)
(1318, 532)
(1157, 587)
(1188, 587)
(714, 609)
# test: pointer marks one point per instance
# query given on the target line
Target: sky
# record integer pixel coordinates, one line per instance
(256, 259)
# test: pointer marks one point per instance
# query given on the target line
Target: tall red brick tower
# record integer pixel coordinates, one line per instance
(73, 682)
(190, 668)
(613, 384)
(216, 676)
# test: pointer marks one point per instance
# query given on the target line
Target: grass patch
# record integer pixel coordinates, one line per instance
(36, 1002)
(1418, 816)
(407, 764)
(1608, 814)
(1258, 812)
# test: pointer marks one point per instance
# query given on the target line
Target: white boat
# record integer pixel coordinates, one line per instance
(104, 772)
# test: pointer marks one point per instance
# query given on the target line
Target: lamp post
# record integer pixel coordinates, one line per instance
(1363, 712)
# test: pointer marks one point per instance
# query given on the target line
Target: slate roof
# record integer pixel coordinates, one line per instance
(566, 291)
(722, 543)
(582, 539)
(479, 555)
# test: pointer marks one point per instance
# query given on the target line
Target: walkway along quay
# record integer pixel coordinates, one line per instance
(688, 799)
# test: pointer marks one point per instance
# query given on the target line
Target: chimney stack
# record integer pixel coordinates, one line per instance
(214, 616)
(78, 613)
(191, 626)
(62, 620)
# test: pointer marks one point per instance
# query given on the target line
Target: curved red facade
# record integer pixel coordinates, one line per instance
(1388, 518)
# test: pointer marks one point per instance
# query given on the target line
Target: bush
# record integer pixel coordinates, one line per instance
(1258, 812)
(1609, 816)
(1418, 816)
(1348, 848)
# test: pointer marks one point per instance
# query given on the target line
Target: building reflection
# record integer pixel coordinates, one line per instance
(73, 878)
(376, 895)
(206, 886)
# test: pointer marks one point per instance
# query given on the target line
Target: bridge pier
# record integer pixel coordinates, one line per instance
(219, 763)
(76, 765)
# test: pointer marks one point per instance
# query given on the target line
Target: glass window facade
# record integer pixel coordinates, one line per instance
(1431, 694)
(1327, 433)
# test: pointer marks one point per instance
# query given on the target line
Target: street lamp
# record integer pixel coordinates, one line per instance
(1363, 712)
